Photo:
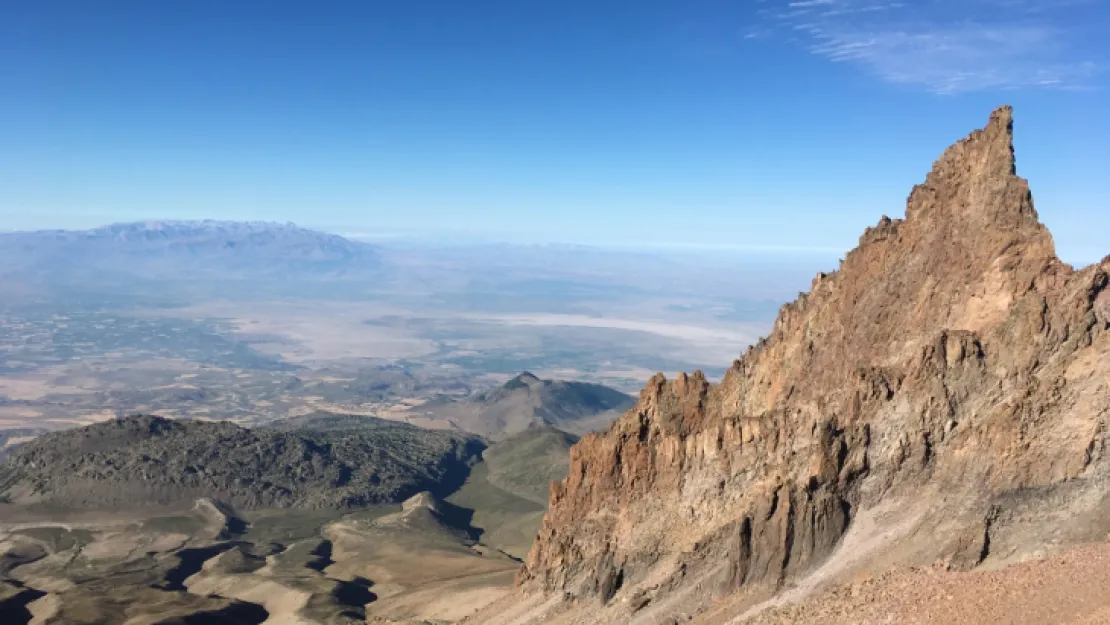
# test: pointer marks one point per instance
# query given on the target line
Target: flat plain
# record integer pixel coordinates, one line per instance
(443, 323)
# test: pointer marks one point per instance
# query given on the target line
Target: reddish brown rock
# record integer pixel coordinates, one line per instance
(952, 374)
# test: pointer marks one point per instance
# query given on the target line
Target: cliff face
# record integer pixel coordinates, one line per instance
(947, 387)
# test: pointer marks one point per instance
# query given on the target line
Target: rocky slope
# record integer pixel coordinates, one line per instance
(12, 438)
(526, 402)
(144, 460)
(526, 464)
(942, 397)
(1066, 589)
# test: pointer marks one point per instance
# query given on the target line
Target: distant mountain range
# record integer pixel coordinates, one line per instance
(180, 249)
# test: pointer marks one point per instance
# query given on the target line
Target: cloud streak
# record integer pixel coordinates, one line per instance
(949, 46)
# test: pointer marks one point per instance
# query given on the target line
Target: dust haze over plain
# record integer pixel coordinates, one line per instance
(276, 297)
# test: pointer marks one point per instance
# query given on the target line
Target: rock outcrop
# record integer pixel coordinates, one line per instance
(943, 396)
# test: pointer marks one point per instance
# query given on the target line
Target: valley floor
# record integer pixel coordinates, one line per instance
(201, 566)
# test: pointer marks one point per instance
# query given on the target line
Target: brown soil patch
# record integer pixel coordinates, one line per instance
(1072, 588)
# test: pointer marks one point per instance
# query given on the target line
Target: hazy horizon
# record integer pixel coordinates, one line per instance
(819, 257)
(789, 125)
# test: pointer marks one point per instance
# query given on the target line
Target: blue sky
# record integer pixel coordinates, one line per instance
(711, 123)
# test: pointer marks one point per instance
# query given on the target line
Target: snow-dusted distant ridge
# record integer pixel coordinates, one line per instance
(189, 246)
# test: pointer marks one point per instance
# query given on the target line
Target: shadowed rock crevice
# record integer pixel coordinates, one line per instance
(190, 562)
(238, 613)
(355, 592)
(14, 597)
(322, 557)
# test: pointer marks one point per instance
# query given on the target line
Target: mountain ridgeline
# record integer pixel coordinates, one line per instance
(526, 402)
(318, 460)
(942, 398)
(324, 462)
(182, 250)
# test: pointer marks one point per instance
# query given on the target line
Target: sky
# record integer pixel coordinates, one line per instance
(702, 124)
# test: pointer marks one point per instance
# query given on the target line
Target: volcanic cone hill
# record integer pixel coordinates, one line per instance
(526, 402)
(144, 460)
(942, 398)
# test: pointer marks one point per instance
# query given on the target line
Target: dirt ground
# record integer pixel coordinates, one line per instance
(1072, 588)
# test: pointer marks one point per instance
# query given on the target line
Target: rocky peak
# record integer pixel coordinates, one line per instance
(950, 353)
(422, 500)
(524, 380)
(973, 189)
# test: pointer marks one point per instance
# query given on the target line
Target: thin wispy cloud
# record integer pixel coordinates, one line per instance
(950, 46)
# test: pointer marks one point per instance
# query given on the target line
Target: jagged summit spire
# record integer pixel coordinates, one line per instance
(1000, 131)
(973, 190)
(1003, 117)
